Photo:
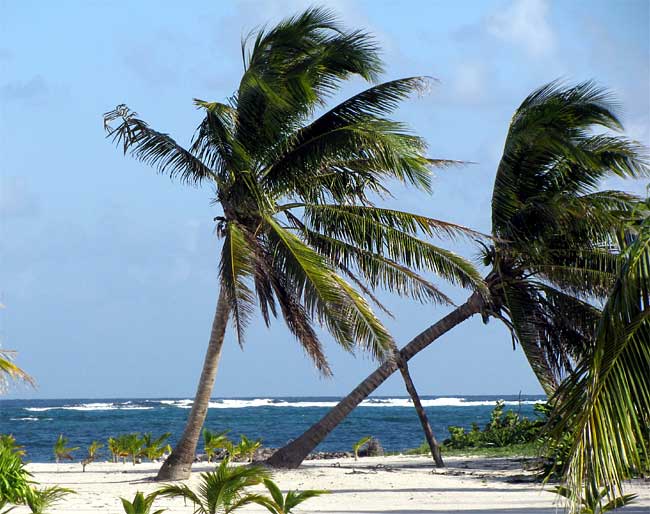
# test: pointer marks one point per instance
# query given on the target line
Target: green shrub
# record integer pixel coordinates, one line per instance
(14, 477)
(504, 429)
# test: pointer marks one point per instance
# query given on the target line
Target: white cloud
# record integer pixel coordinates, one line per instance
(524, 22)
(469, 82)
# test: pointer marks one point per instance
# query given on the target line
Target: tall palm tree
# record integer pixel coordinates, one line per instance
(550, 228)
(605, 404)
(297, 218)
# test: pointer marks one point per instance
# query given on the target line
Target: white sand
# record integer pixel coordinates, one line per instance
(381, 484)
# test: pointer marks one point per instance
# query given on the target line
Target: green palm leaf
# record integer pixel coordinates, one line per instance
(605, 405)
(154, 148)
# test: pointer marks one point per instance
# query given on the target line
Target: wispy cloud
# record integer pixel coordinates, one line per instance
(17, 200)
(23, 90)
(525, 22)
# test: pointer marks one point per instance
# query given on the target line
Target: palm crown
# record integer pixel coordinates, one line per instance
(296, 193)
(554, 230)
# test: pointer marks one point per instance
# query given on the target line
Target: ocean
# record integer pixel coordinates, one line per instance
(37, 423)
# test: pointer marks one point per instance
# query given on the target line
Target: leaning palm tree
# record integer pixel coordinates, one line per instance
(605, 404)
(298, 225)
(552, 232)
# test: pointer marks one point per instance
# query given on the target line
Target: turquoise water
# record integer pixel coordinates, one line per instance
(37, 423)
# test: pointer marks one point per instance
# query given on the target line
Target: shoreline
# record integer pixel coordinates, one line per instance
(391, 484)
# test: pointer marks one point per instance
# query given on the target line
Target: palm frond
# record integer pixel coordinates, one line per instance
(237, 269)
(326, 294)
(154, 148)
(386, 233)
(550, 149)
(9, 370)
(605, 405)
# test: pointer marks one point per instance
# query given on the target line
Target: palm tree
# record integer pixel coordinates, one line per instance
(605, 404)
(550, 227)
(297, 218)
(61, 449)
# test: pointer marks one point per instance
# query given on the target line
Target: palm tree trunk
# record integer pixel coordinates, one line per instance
(292, 454)
(424, 421)
(179, 463)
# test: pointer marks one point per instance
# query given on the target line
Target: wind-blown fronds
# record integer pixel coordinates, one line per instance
(9, 371)
(154, 148)
(269, 159)
(326, 295)
(553, 226)
(606, 403)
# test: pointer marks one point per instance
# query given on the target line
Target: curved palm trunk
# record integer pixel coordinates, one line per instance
(179, 463)
(292, 454)
(424, 421)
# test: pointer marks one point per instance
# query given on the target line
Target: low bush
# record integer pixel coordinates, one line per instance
(505, 428)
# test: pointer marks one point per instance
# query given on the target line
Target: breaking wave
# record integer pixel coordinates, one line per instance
(371, 402)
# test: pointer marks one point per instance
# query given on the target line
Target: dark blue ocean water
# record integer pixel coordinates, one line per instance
(37, 423)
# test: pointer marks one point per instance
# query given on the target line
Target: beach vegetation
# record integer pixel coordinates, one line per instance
(221, 491)
(276, 503)
(141, 504)
(605, 405)
(113, 447)
(505, 428)
(302, 236)
(360, 444)
(93, 450)
(10, 371)
(40, 501)
(138, 446)
(154, 449)
(553, 256)
(130, 445)
(214, 441)
(246, 448)
(15, 480)
(595, 499)
(61, 449)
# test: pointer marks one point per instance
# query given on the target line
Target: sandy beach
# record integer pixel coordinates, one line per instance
(396, 484)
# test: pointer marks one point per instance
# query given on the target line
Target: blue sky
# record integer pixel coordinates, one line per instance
(108, 271)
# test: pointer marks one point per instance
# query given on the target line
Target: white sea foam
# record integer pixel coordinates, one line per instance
(371, 402)
(269, 402)
(91, 407)
(26, 419)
